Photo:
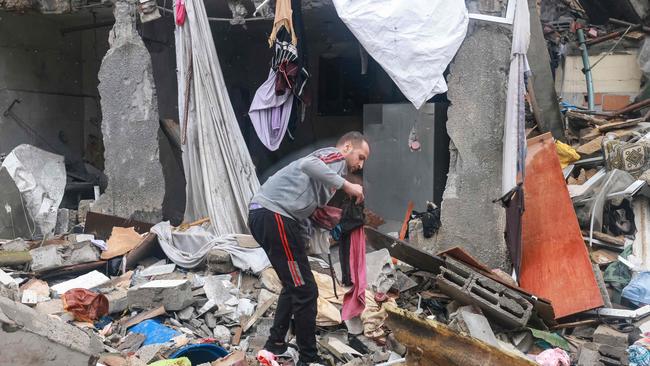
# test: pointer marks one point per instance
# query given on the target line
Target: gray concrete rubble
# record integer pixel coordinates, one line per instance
(42, 340)
(174, 295)
(55, 256)
(469, 217)
(129, 124)
(219, 261)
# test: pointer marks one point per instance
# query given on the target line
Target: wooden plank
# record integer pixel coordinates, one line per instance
(610, 239)
(591, 147)
(432, 343)
(405, 223)
(403, 251)
(555, 263)
(261, 309)
(139, 318)
(619, 125)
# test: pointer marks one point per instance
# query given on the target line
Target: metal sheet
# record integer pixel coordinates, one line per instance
(394, 174)
(555, 263)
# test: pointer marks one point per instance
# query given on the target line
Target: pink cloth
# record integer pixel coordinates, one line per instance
(180, 12)
(553, 357)
(327, 217)
(354, 301)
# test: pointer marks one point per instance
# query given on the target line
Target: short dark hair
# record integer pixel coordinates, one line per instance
(355, 137)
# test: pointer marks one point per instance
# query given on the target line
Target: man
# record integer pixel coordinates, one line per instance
(288, 198)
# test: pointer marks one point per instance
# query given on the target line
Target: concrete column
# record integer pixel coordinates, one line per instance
(130, 124)
(477, 91)
(546, 109)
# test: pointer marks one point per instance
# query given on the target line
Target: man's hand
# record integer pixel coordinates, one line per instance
(354, 190)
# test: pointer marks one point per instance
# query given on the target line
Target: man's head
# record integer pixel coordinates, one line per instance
(355, 148)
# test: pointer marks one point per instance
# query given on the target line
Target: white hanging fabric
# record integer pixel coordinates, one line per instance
(514, 139)
(412, 40)
(219, 172)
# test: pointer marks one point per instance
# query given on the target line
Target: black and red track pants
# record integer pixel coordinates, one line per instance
(280, 237)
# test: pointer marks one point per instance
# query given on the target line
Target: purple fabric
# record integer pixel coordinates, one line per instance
(270, 113)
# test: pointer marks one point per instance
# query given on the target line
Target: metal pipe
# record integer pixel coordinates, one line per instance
(586, 69)
(628, 24)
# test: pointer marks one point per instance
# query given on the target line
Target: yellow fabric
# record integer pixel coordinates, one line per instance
(566, 153)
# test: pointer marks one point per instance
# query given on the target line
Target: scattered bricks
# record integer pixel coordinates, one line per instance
(615, 102)
(606, 335)
(173, 294)
(219, 261)
(497, 301)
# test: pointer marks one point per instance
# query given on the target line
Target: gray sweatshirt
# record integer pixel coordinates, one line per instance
(298, 189)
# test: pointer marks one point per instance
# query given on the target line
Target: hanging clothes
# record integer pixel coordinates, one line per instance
(352, 218)
(354, 302)
(270, 112)
(283, 19)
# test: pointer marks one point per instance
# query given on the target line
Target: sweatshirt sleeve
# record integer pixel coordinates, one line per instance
(316, 169)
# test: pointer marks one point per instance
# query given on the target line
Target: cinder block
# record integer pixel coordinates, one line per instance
(498, 302)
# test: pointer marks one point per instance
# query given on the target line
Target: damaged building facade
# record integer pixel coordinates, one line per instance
(506, 191)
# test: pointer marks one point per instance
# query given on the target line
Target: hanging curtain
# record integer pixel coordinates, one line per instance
(218, 169)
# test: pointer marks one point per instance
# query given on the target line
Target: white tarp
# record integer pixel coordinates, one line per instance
(220, 175)
(40, 177)
(413, 40)
(514, 139)
(189, 248)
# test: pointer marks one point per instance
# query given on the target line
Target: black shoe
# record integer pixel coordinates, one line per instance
(276, 348)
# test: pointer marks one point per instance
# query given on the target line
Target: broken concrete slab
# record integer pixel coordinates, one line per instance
(42, 340)
(470, 320)
(88, 281)
(55, 256)
(15, 245)
(156, 270)
(186, 314)
(118, 301)
(130, 124)
(173, 294)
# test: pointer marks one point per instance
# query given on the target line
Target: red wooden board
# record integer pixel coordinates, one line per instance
(555, 263)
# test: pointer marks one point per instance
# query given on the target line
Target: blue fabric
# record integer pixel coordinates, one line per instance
(154, 332)
(638, 290)
(638, 355)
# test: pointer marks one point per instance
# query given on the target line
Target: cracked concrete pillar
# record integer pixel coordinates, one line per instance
(477, 91)
(129, 124)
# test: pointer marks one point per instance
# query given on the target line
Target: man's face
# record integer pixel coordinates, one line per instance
(355, 157)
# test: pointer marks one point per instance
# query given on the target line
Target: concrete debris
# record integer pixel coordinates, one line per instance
(173, 294)
(56, 256)
(88, 281)
(428, 300)
(41, 340)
